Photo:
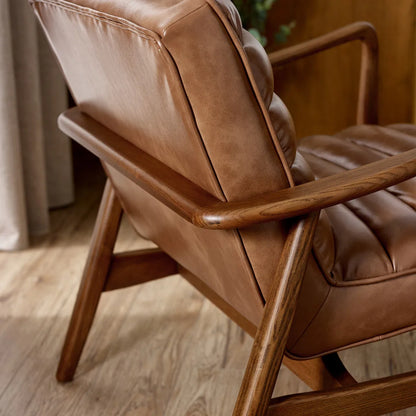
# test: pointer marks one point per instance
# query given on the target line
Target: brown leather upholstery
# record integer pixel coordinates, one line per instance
(136, 75)
(365, 248)
(185, 83)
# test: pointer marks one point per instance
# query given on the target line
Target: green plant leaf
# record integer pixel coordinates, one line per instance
(283, 32)
(268, 4)
(254, 15)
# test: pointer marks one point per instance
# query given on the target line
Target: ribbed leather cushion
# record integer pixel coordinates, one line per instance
(363, 248)
(262, 71)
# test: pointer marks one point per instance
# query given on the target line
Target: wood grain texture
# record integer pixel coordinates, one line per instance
(372, 398)
(310, 196)
(317, 373)
(321, 91)
(270, 341)
(158, 349)
(92, 283)
(159, 180)
(140, 266)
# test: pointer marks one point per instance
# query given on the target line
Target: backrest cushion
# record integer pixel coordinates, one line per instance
(185, 83)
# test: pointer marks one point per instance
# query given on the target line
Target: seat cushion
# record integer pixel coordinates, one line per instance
(361, 283)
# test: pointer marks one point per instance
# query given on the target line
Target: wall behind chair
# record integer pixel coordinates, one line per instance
(321, 91)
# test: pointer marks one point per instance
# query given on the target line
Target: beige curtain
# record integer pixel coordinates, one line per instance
(35, 158)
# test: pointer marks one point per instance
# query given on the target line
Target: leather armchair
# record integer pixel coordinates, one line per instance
(307, 247)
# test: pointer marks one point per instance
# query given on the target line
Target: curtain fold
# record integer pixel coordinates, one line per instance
(35, 158)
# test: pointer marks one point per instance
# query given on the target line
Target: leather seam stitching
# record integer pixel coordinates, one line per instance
(236, 231)
(106, 18)
(179, 19)
(380, 337)
(109, 19)
(345, 204)
(277, 148)
(261, 105)
(377, 279)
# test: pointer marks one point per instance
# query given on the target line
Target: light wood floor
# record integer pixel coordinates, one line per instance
(158, 349)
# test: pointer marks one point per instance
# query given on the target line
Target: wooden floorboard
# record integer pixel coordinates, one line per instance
(159, 349)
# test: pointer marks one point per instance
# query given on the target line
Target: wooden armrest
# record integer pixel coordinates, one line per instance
(363, 31)
(311, 196)
(204, 210)
(168, 186)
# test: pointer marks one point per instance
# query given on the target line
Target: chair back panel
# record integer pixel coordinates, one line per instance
(174, 77)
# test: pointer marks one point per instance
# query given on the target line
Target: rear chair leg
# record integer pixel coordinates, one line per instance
(93, 282)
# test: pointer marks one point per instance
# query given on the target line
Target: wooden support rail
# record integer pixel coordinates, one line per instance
(136, 267)
(370, 398)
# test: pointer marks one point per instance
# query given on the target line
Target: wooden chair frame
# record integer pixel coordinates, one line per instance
(337, 394)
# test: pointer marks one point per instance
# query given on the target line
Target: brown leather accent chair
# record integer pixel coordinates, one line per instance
(310, 247)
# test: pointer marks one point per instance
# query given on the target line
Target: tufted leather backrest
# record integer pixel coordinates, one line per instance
(185, 83)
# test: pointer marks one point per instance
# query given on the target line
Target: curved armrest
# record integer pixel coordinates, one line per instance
(168, 186)
(311, 196)
(363, 31)
(203, 209)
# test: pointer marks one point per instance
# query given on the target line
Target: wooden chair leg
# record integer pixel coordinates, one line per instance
(93, 282)
(271, 338)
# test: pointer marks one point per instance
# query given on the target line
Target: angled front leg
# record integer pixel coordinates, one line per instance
(271, 338)
(93, 282)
